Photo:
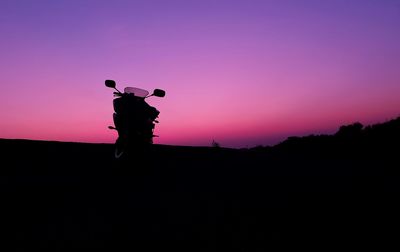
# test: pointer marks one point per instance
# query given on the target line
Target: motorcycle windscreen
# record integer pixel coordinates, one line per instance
(136, 91)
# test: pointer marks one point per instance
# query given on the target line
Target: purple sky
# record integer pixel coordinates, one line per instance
(243, 73)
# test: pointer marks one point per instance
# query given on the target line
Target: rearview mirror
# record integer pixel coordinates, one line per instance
(159, 93)
(110, 83)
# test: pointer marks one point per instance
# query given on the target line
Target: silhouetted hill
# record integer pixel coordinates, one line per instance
(327, 189)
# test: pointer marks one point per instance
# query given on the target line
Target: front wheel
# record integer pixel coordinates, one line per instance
(118, 153)
(120, 148)
(125, 146)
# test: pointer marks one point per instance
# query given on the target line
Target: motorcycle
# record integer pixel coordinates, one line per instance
(133, 118)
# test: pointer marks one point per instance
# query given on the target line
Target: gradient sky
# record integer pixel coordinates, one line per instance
(244, 73)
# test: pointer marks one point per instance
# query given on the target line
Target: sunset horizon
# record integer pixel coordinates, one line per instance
(241, 73)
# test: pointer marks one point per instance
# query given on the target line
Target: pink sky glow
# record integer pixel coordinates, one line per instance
(242, 73)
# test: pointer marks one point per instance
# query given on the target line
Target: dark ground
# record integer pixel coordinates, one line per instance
(315, 191)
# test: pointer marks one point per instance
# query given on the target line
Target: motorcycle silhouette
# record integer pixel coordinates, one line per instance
(134, 119)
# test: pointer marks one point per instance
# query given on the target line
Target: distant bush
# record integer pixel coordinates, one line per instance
(215, 144)
(351, 130)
